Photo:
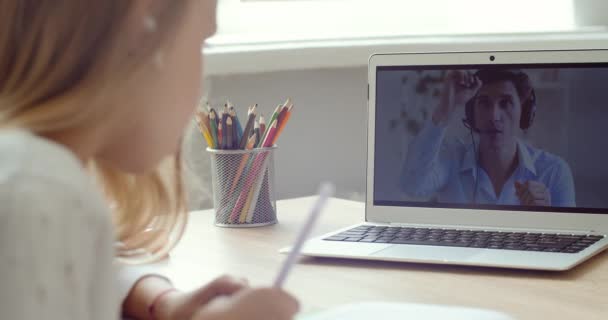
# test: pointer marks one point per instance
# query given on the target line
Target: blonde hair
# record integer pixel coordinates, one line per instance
(49, 48)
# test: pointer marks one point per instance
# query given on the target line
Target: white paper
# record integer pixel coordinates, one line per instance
(397, 311)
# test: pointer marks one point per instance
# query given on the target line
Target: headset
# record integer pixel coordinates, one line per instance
(528, 113)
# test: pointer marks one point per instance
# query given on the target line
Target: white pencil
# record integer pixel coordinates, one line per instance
(326, 191)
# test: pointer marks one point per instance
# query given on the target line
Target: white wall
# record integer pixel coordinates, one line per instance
(325, 136)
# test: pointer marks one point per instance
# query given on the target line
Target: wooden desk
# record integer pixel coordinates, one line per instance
(207, 251)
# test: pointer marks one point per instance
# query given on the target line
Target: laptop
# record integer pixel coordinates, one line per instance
(494, 159)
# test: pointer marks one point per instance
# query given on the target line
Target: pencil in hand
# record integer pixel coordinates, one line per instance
(325, 192)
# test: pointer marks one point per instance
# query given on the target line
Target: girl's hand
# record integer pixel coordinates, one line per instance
(183, 305)
(251, 304)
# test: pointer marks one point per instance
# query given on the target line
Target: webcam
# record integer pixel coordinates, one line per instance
(492, 58)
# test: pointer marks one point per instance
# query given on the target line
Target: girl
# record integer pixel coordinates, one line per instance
(102, 89)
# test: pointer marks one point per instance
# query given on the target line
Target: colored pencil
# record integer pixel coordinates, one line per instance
(282, 124)
(256, 131)
(256, 187)
(248, 127)
(213, 128)
(272, 130)
(239, 129)
(272, 118)
(326, 191)
(252, 173)
(220, 136)
(262, 123)
(245, 212)
(224, 117)
(281, 115)
(241, 166)
(250, 179)
(229, 133)
(204, 130)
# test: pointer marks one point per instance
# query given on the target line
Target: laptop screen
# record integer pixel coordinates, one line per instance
(508, 137)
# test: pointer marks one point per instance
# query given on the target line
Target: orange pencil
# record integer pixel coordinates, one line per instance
(282, 124)
(281, 114)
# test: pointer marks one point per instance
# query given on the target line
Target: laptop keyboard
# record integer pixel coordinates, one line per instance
(523, 241)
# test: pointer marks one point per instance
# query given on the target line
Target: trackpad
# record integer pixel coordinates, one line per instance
(431, 253)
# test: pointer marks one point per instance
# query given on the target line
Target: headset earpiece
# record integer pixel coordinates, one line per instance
(528, 111)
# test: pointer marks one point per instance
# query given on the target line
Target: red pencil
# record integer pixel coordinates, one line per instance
(272, 130)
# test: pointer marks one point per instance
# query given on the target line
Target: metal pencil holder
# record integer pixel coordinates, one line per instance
(243, 187)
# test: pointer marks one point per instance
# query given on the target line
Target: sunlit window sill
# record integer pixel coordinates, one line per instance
(234, 56)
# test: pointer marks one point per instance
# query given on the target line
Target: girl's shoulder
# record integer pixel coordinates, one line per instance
(55, 225)
(35, 171)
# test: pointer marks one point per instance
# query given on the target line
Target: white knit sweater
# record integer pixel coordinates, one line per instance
(56, 237)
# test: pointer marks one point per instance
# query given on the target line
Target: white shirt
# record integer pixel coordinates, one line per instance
(56, 237)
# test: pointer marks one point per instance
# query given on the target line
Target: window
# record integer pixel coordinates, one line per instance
(287, 21)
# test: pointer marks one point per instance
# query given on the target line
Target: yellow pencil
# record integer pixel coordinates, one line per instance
(203, 127)
(204, 117)
(204, 131)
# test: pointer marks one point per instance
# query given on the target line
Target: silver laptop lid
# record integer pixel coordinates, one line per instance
(506, 139)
